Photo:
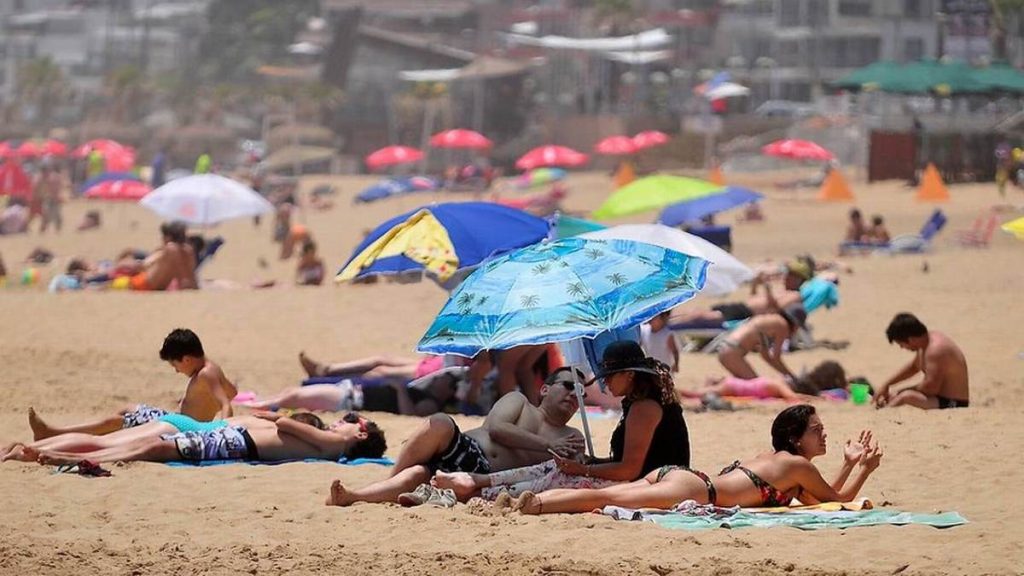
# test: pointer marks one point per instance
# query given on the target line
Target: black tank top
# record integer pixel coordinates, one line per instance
(669, 445)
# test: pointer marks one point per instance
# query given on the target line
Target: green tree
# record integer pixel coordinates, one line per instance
(1008, 20)
(42, 81)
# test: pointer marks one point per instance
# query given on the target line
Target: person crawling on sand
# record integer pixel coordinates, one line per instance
(207, 396)
(945, 383)
(764, 334)
(771, 479)
(263, 437)
(514, 434)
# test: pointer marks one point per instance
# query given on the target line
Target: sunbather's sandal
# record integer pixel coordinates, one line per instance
(442, 498)
(417, 497)
(90, 468)
(715, 403)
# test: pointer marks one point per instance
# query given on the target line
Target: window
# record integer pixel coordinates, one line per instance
(789, 12)
(854, 8)
(913, 9)
(913, 49)
(817, 12)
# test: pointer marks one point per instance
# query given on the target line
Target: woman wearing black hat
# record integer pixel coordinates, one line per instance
(651, 432)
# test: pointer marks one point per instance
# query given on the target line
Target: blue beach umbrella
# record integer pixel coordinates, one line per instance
(398, 186)
(562, 290)
(108, 177)
(691, 210)
(442, 239)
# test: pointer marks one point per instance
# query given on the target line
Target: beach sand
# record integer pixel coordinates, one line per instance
(75, 356)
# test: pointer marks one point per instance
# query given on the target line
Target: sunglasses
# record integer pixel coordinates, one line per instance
(355, 418)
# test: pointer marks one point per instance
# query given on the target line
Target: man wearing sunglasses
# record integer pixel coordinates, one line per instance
(264, 437)
(514, 434)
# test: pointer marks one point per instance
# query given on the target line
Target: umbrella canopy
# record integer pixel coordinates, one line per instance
(1015, 227)
(539, 177)
(691, 210)
(7, 150)
(39, 148)
(104, 147)
(392, 155)
(651, 193)
(398, 186)
(568, 226)
(118, 190)
(205, 199)
(797, 150)
(14, 181)
(108, 177)
(649, 139)
(460, 138)
(562, 290)
(442, 239)
(615, 146)
(551, 156)
(726, 90)
(726, 272)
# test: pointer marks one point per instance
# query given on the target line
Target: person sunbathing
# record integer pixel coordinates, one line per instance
(764, 334)
(828, 375)
(514, 434)
(770, 479)
(374, 367)
(263, 437)
(421, 397)
(763, 299)
(310, 269)
(208, 392)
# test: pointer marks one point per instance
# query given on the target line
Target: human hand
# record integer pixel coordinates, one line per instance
(854, 450)
(264, 415)
(871, 458)
(881, 398)
(571, 467)
(567, 446)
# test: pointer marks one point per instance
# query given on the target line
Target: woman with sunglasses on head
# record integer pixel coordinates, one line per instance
(650, 434)
(771, 479)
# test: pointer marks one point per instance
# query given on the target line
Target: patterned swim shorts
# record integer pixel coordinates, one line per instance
(463, 454)
(221, 444)
(141, 415)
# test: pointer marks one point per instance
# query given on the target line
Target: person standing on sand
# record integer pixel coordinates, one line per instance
(945, 383)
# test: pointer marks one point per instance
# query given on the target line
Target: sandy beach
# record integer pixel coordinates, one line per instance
(77, 355)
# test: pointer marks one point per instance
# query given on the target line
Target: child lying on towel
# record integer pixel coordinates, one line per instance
(825, 378)
(264, 437)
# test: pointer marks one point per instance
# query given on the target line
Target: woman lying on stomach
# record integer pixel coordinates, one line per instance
(771, 479)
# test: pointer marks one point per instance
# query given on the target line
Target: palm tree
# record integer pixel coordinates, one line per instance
(1009, 21)
(41, 80)
(593, 253)
(616, 279)
(576, 289)
(465, 302)
(529, 301)
(126, 86)
(542, 268)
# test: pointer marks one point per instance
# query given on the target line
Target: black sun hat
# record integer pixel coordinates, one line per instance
(622, 356)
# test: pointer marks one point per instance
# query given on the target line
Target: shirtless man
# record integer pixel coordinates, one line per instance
(945, 383)
(766, 302)
(765, 334)
(174, 260)
(514, 434)
(207, 396)
(264, 437)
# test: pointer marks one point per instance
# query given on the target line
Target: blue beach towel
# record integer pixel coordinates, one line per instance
(692, 516)
(343, 460)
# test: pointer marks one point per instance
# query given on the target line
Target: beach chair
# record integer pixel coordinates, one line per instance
(921, 242)
(981, 233)
(209, 250)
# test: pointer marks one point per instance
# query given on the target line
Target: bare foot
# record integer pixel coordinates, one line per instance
(460, 482)
(11, 452)
(503, 502)
(311, 367)
(527, 503)
(339, 495)
(40, 430)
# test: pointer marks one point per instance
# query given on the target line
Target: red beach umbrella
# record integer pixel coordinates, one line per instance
(460, 138)
(118, 190)
(104, 146)
(551, 156)
(14, 181)
(649, 139)
(38, 148)
(8, 151)
(615, 146)
(392, 155)
(797, 150)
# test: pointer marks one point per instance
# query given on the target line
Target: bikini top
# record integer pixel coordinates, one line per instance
(770, 495)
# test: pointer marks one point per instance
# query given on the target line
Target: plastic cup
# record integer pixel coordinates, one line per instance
(860, 393)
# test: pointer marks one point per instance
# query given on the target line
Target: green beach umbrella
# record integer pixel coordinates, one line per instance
(652, 193)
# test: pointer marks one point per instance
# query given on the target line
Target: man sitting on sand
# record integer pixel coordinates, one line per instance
(945, 383)
(514, 434)
(207, 396)
(263, 437)
(174, 261)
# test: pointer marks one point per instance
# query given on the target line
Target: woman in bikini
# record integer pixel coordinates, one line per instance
(765, 334)
(771, 479)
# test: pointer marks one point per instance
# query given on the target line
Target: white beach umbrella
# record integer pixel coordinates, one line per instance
(205, 199)
(725, 274)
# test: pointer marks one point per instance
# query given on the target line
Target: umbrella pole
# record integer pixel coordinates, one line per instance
(578, 387)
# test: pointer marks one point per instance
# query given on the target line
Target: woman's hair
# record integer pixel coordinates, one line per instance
(825, 376)
(658, 387)
(789, 426)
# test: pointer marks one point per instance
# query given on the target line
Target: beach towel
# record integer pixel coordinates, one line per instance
(689, 515)
(343, 460)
